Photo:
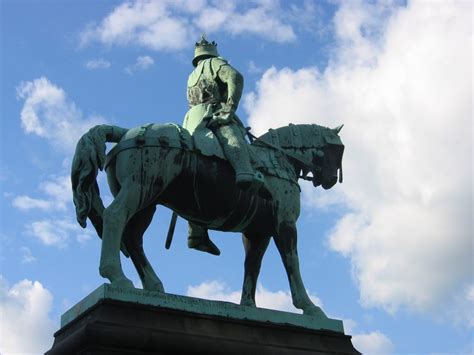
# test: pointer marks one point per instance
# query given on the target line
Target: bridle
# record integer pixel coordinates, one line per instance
(309, 166)
(317, 169)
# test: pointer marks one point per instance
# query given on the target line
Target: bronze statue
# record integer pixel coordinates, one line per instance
(209, 175)
(214, 90)
(159, 164)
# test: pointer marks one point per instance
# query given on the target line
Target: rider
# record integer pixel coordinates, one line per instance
(214, 92)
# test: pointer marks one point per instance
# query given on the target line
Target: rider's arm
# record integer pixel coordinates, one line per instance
(235, 85)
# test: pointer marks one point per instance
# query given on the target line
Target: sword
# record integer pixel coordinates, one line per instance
(169, 237)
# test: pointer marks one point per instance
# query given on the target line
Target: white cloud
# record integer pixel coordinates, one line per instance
(58, 192)
(370, 343)
(24, 202)
(359, 27)
(215, 17)
(48, 233)
(254, 68)
(403, 89)
(216, 290)
(265, 20)
(57, 232)
(462, 309)
(142, 63)
(373, 343)
(48, 113)
(146, 23)
(27, 257)
(470, 293)
(83, 238)
(99, 63)
(172, 25)
(24, 323)
(60, 189)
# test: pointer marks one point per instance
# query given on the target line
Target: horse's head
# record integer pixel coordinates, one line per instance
(311, 148)
(327, 160)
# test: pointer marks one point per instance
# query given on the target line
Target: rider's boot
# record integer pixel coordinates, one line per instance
(198, 238)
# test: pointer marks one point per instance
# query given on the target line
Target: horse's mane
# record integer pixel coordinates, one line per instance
(300, 136)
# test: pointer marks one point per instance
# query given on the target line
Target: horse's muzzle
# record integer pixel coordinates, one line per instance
(330, 182)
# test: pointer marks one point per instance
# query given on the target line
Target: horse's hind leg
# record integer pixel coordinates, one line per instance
(115, 218)
(255, 247)
(133, 238)
(285, 240)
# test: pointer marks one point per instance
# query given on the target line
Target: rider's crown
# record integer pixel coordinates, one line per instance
(204, 48)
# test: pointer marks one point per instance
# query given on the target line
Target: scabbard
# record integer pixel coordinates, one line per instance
(169, 237)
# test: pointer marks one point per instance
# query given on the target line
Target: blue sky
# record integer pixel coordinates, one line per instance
(389, 251)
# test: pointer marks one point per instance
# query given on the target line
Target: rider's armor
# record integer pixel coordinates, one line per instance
(202, 84)
(214, 90)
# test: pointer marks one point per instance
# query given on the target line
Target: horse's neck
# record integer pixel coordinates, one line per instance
(306, 156)
(297, 159)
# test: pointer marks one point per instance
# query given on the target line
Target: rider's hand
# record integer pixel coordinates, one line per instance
(222, 117)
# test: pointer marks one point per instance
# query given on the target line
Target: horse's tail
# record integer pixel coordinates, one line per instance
(88, 159)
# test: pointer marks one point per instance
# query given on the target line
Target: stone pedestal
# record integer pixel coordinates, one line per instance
(124, 321)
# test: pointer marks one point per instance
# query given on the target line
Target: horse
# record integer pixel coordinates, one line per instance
(163, 164)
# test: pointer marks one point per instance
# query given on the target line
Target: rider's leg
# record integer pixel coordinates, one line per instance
(198, 238)
(236, 151)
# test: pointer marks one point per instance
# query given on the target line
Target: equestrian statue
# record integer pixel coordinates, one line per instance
(207, 173)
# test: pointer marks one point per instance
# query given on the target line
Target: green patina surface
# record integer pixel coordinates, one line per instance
(155, 161)
(200, 306)
(255, 192)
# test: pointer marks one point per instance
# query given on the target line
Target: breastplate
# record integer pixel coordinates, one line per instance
(205, 89)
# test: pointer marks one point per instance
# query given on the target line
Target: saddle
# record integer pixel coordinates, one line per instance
(267, 161)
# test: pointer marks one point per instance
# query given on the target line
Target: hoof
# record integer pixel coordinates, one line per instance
(111, 271)
(247, 300)
(247, 303)
(155, 287)
(123, 283)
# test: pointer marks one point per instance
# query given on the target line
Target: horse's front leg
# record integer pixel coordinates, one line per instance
(116, 217)
(286, 242)
(255, 247)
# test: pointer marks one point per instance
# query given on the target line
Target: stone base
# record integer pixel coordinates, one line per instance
(114, 321)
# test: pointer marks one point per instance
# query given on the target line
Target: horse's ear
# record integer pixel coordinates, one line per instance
(338, 129)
